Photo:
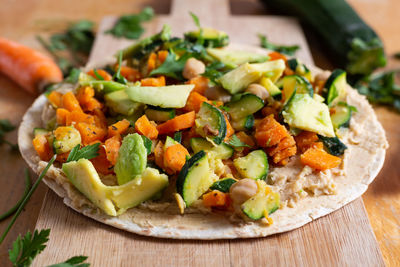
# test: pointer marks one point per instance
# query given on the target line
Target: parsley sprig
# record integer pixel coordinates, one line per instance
(87, 152)
(236, 142)
(284, 49)
(172, 66)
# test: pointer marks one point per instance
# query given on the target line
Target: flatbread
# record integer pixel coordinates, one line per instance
(364, 158)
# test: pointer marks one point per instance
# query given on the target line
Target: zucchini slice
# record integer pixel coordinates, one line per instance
(211, 37)
(272, 89)
(154, 113)
(222, 151)
(335, 87)
(65, 139)
(246, 105)
(340, 116)
(210, 123)
(223, 185)
(243, 124)
(253, 166)
(263, 203)
(298, 84)
(299, 68)
(333, 145)
(195, 178)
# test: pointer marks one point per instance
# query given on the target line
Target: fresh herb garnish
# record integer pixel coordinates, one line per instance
(284, 49)
(98, 76)
(117, 76)
(130, 26)
(24, 250)
(236, 142)
(87, 152)
(11, 211)
(381, 88)
(73, 76)
(5, 127)
(26, 199)
(77, 40)
(213, 71)
(172, 66)
(200, 39)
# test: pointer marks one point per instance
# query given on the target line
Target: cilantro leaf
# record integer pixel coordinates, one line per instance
(130, 26)
(172, 66)
(117, 75)
(236, 142)
(25, 249)
(87, 152)
(195, 19)
(288, 50)
(73, 76)
(213, 71)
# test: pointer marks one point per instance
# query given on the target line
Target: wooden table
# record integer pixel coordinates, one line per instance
(22, 22)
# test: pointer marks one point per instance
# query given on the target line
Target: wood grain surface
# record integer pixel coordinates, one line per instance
(22, 21)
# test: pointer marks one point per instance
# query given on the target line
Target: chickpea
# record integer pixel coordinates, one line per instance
(193, 68)
(258, 90)
(242, 190)
(217, 93)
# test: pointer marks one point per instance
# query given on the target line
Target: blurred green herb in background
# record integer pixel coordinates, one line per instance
(289, 50)
(5, 127)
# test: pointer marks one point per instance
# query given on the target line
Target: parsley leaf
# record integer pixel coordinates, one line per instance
(117, 76)
(77, 261)
(25, 249)
(5, 127)
(195, 19)
(172, 66)
(381, 88)
(87, 152)
(236, 142)
(130, 26)
(213, 71)
(288, 50)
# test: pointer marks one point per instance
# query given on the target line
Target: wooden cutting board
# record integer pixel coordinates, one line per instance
(343, 238)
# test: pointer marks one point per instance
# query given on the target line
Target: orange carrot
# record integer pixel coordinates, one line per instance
(175, 157)
(245, 138)
(200, 84)
(130, 74)
(90, 133)
(112, 146)
(151, 62)
(159, 81)
(70, 102)
(100, 119)
(104, 74)
(276, 55)
(319, 159)
(78, 116)
(162, 56)
(178, 123)
(305, 140)
(194, 101)
(101, 163)
(118, 128)
(215, 198)
(42, 147)
(86, 99)
(61, 115)
(55, 98)
(144, 127)
(62, 158)
(28, 68)
(229, 129)
(159, 154)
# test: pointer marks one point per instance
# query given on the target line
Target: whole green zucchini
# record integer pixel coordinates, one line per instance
(356, 46)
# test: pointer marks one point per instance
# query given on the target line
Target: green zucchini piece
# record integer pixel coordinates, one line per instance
(243, 124)
(211, 37)
(119, 102)
(305, 113)
(341, 115)
(254, 165)
(178, 137)
(234, 58)
(171, 96)
(245, 106)
(272, 89)
(299, 68)
(333, 145)
(222, 151)
(40, 131)
(66, 141)
(154, 113)
(210, 123)
(355, 45)
(298, 84)
(132, 158)
(195, 178)
(223, 185)
(336, 87)
(263, 203)
(169, 142)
